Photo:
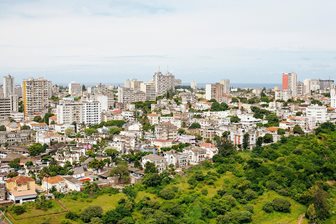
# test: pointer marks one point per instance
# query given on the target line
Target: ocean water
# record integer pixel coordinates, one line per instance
(243, 85)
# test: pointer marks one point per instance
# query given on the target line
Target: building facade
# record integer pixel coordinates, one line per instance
(36, 94)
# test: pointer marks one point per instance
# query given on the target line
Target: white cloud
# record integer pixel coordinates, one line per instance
(51, 36)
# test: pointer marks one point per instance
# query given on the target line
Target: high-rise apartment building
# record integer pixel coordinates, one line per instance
(289, 82)
(135, 84)
(326, 84)
(311, 85)
(214, 91)
(316, 115)
(35, 94)
(127, 95)
(8, 86)
(149, 90)
(226, 85)
(69, 111)
(163, 83)
(75, 89)
(193, 85)
(300, 88)
(103, 100)
(333, 97)
(92, 113)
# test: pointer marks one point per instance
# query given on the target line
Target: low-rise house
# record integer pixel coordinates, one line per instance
(177, 159)
(78, 172)
(161, 143)
(166, 131)
(196, 155)
(56, 182)
(210, 148)
(72, 183)
(159, 161)
(47, 137)
(21, 189)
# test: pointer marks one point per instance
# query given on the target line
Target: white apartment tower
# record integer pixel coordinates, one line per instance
(91, 113)
(163, 83)
(193, 85)
(149, 90)
(69, 111)
(8, 86)
(226, 85)
(316, 115)
(127, 95)
(333, 97)
(35, 94)
(75, 89)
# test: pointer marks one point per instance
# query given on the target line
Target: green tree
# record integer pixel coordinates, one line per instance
(298, 130)
(311, 214)
(246, 140)
(121, 171)
(150, 168)
(281, 131)
(38, 119)
(15, 164)
(268, 138)
(114, 130)
(234, 119)
(91, 212)
(90, 131)
(113, 153)
(2, 128)
(195, 125)
(25, 127)
(36, 149)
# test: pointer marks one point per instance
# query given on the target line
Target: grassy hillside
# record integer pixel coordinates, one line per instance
(272, 184)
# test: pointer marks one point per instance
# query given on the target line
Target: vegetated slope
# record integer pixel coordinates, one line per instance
(277, 183)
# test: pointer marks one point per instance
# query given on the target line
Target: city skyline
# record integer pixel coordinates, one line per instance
(244, 41)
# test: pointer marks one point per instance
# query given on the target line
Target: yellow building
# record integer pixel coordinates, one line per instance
(21, 189)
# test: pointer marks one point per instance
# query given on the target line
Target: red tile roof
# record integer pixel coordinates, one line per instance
(20, 180)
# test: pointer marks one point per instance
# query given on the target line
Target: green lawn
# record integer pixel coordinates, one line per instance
(106, 201)
(261, 217)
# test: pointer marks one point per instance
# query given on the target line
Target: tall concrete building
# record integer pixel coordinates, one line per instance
(163, 83)
(9, 101)
(214, 91)
(289, 82)
(127, 95)
(311, 85)
(333, 97)
(75, 89)
(135, 84)
(149, 90)
(69, 111)
(226, 85)
(35, 94)
(8, 86)
(193, 85)
(91, 113)
(326, 84)
(103, 100)
(300, 88)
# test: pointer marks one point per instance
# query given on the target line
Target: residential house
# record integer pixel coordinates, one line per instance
(21, 189)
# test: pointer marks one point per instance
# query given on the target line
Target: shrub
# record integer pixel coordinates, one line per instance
(71, 215)
(91, 212)
(281, 205)
(268, 207)
(18, 209)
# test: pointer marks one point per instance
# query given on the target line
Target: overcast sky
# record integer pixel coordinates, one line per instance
(247, 41)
